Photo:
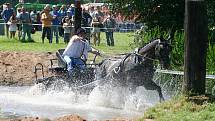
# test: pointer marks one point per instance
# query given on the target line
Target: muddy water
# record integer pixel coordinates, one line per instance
(101, 103)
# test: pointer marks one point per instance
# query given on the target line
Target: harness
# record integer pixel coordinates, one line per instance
(120, 67)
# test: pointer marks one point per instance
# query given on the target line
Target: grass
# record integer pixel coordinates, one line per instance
(122, 41)
(177, 109)
(180, 109)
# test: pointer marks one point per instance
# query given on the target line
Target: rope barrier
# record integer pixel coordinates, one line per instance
(116, 28)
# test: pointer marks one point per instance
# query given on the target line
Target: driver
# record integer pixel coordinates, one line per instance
(76, 52)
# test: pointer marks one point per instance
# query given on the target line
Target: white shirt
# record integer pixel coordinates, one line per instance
(67, 29)
(12, 27)
(77, 48)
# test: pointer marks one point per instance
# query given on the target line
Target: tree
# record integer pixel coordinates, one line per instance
(167, 14)
(163, 13)
(196, 38)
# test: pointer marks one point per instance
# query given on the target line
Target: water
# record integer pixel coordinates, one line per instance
(102, 103)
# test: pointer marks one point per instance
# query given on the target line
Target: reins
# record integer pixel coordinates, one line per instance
(120, 67)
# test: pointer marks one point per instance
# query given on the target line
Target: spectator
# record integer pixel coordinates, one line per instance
(68, 14)
(86, 20)
(12, 25)
(39, 27)
(109, 24)
(71, 10)
(26, 24)
(55, 23)
(97, 24)
(67, 29)
(46, 19)
(91, 10)
(33, 15)
(18, 12)
(63, 13)
(6, 14)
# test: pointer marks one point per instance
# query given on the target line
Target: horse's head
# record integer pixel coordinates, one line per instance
(162, 53)
(157, 49)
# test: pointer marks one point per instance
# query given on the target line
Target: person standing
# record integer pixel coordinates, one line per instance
(55, 23)
(97, 25)
(68, 29)
(109, 23)
(19, 25)
(12, 25)
(46, 19)
(6, 14)
(33, 15)
(91, 10)
(86, 21)
(26, 24)
(71, 10)
(63, 13)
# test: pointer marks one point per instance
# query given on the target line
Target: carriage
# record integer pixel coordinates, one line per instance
(130, 70)
(58, 68)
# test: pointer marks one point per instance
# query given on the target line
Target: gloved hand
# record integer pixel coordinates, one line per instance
(98, 53)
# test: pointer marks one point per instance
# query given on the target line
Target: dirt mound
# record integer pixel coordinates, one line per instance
(17, 68)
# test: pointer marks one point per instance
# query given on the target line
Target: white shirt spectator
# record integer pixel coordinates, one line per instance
(12, 27)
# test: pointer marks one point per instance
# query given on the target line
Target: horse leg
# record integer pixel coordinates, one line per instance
(154, 86)
(160, 93)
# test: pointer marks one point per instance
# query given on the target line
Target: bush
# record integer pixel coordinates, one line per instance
(144, 36)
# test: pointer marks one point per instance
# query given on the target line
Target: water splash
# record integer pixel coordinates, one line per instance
(103, 102)
(35, 101)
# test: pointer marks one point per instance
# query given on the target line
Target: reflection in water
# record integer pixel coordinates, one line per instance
(102, 103)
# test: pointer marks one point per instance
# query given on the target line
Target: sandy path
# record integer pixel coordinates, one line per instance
(17, 68)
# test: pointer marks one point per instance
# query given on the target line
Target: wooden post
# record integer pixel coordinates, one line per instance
(78, 14)
(196, 38)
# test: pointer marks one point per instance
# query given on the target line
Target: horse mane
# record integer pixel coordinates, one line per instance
(149, 46)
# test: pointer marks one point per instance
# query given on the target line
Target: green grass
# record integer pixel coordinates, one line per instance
(37, 46)
(122, 41)
(179, 109)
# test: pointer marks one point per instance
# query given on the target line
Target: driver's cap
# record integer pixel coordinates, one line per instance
(81, 30)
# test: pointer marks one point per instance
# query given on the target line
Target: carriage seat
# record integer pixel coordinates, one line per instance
(61, 60)
(61, 65)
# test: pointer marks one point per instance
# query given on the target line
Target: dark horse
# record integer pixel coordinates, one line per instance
(132, 70)
(137, 69)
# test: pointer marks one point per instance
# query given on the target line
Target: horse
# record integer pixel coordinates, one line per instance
(137, 69)
(132, 70)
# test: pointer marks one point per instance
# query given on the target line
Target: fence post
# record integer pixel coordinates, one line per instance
(2, 30)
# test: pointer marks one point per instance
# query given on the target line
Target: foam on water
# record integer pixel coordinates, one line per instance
(103, 102)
